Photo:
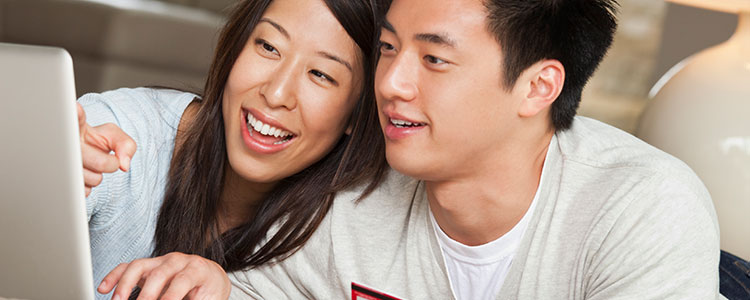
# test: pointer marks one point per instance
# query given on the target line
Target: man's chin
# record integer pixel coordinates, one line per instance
(410, 165)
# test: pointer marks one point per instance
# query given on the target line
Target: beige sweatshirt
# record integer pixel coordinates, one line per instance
(616, 219)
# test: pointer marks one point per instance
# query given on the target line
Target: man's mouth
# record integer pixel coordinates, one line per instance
(267, 133)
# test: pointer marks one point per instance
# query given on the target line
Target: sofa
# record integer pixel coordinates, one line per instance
(122, 43)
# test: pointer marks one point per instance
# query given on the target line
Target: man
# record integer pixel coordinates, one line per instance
(513, 197)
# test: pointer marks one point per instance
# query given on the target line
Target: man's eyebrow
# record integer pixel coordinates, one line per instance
(436, 38)
(277, 26)
(337, 59)
(388, 26)
(441, 39)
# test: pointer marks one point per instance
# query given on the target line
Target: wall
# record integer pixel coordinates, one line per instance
(617, 91)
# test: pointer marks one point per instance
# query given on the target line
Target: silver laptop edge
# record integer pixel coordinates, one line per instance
(44, 243)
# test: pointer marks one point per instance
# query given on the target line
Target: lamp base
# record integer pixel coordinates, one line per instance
(701, 115)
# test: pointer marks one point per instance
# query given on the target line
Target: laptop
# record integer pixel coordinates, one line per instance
(44, 243)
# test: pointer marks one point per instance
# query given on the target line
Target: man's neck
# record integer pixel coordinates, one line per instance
(482, 207)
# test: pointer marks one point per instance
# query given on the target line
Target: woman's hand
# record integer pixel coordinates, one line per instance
(96, 145)
(172, 276)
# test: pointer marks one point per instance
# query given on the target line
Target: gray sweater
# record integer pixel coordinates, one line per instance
(616, 219)
(122, 210)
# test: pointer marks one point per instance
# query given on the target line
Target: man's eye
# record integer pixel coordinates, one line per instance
(386, 47)
(434, 60)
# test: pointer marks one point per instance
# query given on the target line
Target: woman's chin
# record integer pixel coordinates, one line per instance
(259, 173)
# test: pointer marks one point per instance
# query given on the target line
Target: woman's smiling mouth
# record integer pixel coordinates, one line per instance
(263, 137)
(257, 127)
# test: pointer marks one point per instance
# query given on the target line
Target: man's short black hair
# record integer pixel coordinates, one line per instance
(577, 33)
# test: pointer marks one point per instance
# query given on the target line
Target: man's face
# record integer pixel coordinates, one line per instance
(442, 105)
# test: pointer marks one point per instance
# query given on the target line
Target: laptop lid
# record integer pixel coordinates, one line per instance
(44, 243)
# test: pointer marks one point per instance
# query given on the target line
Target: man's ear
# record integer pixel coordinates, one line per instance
(545, 81)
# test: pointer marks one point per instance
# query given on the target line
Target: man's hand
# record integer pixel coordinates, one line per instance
(96, 145)
(172, 276)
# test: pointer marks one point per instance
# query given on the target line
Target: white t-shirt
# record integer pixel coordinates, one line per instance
(478, 272)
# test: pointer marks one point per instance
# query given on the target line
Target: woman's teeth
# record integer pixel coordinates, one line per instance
(402, 123)
(265, 129)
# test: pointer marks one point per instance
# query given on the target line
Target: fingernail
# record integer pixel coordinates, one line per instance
(100, 285)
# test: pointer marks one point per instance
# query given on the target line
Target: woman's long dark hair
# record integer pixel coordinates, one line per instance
(188, 219)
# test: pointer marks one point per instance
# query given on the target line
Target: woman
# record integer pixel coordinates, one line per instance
(285, 121)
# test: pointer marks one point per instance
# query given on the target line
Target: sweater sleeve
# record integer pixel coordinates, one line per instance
(664, 245)
(148, 116)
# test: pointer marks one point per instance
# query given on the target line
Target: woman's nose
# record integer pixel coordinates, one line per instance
(279, 89)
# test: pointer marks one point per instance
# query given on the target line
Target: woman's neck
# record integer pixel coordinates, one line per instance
(240, 199)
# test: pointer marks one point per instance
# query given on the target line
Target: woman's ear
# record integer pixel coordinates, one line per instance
(545, 81)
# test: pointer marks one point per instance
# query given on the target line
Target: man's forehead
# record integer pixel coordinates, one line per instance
(448, 18)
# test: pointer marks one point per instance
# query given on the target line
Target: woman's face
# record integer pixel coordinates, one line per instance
(290, 93)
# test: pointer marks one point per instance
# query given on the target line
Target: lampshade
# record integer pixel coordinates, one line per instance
(700, 113)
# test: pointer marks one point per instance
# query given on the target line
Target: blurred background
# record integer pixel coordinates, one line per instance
(128, 43)
(653, 36)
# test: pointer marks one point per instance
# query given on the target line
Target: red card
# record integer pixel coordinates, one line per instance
(360, 292)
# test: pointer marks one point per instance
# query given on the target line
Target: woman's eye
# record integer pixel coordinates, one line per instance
(323, 76)
(266, 46)
(434, 60)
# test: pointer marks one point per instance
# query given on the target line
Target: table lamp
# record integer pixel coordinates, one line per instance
(700, 113)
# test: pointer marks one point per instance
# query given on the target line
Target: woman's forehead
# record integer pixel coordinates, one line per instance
(312, 25)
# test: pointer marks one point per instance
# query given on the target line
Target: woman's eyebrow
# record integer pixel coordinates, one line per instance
(277, 26)
(337, 59)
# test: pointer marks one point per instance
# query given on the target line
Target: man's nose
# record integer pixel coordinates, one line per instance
(399, 80)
